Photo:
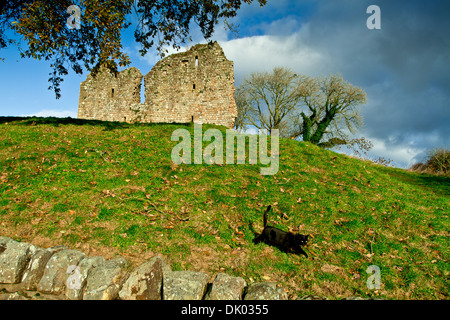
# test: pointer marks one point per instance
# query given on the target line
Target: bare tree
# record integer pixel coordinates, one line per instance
(319, 110)
(330, 110)
(265, 100)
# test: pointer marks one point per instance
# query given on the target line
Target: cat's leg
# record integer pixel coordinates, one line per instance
(258, 239)
(301, 251)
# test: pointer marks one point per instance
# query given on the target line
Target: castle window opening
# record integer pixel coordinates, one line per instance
(142, 91)
(112, 93)
(193, 87)
(196, 61)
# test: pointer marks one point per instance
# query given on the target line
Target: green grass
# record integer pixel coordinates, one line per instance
(113, 187)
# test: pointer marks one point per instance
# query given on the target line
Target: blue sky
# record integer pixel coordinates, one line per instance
(404, 67)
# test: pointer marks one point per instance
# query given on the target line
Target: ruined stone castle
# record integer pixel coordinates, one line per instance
(192, 86)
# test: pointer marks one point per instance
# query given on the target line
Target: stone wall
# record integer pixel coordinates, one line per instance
(196, 85)
(111, 97)
(29, 272)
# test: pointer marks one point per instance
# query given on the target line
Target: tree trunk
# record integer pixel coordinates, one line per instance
(307, 124)
(322, 126)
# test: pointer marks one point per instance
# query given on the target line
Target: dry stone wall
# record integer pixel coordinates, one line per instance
(30, 272)
(192, 86)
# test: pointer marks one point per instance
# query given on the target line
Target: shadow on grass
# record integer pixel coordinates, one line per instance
(437, 183)
(108, 125)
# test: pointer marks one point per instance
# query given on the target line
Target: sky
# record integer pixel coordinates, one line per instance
(404, 67)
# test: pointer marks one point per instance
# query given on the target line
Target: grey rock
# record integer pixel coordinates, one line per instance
(14, 257)
(361, 298)
(55, 274)
(312, 298)
(225, 287)
(77, 280)
(145, 282)
(184, 285)
(5, 240)
(265, 291)
(105, 281)
(13, 296)
(165, 267)
(36, 267)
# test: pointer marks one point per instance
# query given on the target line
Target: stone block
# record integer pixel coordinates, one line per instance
(55, 274)
(36, 267)
(105, 281)
(14, 258)
(145, 283)
(12, 296)
(77, 280)
(184, 285)
(225, 287)
(265, 291)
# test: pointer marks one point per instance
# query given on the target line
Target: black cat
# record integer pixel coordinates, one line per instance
(285, 241)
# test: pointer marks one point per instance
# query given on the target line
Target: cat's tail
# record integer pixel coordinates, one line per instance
(265, 215)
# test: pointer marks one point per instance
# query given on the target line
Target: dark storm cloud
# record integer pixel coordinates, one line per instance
(416, 43)
(404, 67)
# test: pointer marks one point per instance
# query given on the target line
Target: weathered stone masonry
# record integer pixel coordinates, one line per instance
(30, 272)
(196, 85)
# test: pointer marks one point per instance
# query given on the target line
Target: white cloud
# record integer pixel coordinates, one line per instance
(263, 53)
(152, 57)
(402, 156)
(53, 113)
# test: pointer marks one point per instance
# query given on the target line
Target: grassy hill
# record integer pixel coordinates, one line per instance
(111, 188)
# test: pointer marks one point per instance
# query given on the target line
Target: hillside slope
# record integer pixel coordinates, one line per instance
(111, 188)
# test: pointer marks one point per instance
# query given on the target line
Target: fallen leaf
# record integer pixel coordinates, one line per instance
(329, 268)
(35, 221)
